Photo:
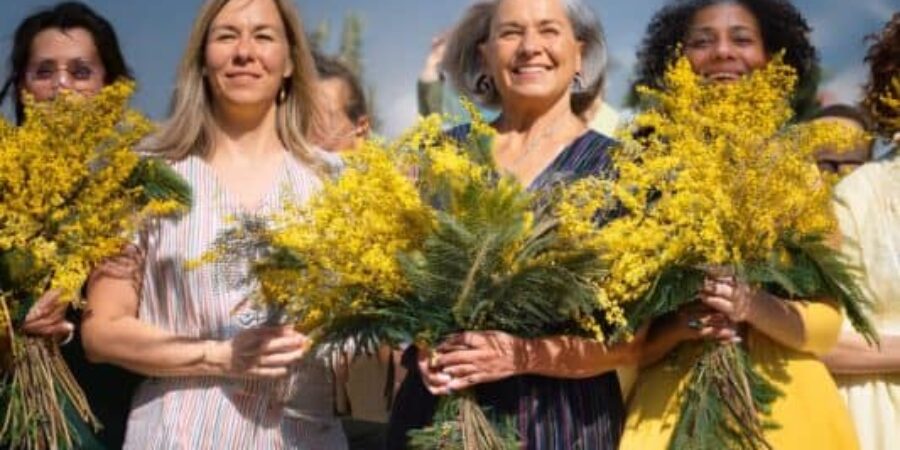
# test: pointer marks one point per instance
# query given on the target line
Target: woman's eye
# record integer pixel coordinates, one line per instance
(699, 42)
(82, 73)
(44, 72)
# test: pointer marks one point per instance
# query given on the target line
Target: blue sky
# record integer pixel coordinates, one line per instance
(398, 32)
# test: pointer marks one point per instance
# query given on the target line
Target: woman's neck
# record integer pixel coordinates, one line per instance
(517, 119)
(529, 140)
(244, 134)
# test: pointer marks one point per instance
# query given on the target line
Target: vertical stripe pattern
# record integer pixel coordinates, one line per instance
(208, 303)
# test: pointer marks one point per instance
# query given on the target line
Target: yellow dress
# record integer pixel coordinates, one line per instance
(810, 412)
(869, 215)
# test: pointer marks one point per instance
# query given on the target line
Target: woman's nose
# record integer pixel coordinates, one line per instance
(530, 43)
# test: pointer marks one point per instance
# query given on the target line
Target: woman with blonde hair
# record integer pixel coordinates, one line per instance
(221, 373)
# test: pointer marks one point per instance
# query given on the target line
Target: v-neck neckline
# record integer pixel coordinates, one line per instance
(233, 201)
(556, 161)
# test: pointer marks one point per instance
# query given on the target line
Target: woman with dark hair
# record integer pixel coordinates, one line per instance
(344, 105)
(70, 46)
(67, 46)
(869, 377)
(724, 40)
(782, 29)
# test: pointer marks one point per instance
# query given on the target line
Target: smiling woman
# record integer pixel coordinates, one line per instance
(725, 40)
(542, 62)
(70, 46)
(223, 374)
(745, 35)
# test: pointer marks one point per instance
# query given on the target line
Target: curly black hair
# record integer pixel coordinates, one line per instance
(782, 26)
(883, 58)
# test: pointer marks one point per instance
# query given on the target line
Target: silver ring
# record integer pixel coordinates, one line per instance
(694, 324)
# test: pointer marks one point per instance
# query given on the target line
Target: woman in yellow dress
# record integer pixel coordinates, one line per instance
(725, 40)
(868, 209)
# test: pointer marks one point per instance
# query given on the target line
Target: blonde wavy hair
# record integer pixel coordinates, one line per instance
(188, 131)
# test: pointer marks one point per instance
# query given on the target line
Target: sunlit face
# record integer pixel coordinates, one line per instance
(531, 52)
(724, 42)
(63, 60)
(247, 54)
(341, 132)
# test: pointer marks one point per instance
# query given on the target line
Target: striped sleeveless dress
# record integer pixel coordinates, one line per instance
(550, 413)
(206, 303)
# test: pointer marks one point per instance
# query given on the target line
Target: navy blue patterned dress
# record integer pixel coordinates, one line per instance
(551, 413)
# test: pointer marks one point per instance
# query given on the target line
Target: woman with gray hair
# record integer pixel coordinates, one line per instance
(541, 63)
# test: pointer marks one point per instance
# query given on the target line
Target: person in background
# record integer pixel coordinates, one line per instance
(69, 46)
(222, 372)
(725, 40)
(346, 111)
(868, 209)
(844, 161)
(541, 63)
(430, 84)
(357, 393)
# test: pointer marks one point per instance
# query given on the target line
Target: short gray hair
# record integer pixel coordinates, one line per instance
(465, 66)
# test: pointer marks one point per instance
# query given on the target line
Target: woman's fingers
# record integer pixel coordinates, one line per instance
(460, 370)
(442, 360)
(282, 344)
(282, 359)
(268, 372)
(267, 352)
(46, 317)
(720, 304)
(437, 382)
(458, 384)
(46, 306)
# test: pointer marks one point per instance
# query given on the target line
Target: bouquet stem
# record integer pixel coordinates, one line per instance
(460, 424)
(35, 390)
(724, 403)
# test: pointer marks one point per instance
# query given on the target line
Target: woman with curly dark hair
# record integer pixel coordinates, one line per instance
(884, 63)
(724, 40)
(869, 378)
(781, 26)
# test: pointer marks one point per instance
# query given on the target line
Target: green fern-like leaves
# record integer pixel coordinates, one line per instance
(723, 402)
(159, 182)
(726, 402)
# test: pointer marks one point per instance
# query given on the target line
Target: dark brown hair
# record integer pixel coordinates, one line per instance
(883, 58)
(64, 16)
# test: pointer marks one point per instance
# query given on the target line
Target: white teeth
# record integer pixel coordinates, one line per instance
(724, 76)
(530, 69)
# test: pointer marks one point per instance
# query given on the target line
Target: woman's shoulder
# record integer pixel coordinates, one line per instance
(876, 177)
(594, 139)
(588, 153)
